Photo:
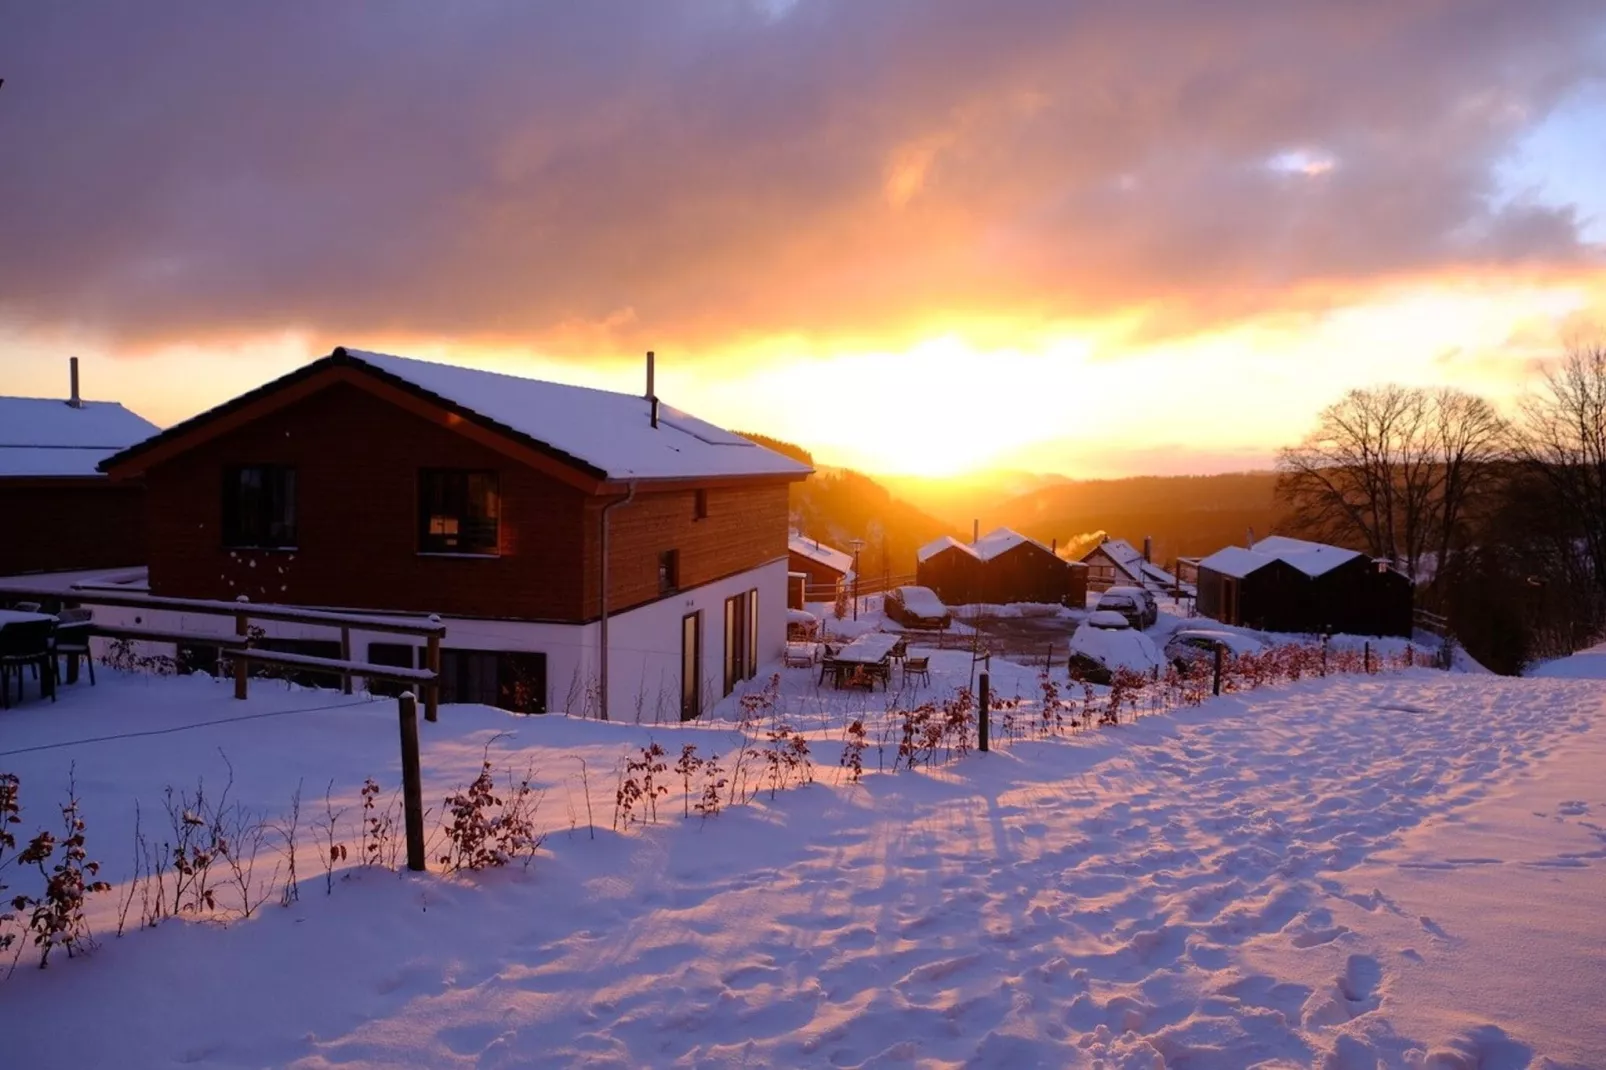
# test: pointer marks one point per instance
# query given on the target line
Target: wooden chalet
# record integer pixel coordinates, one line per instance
(60, 512)
(585, 548)
(825, 568)
(1117, 563)
(1000, 567)
(1283, 584)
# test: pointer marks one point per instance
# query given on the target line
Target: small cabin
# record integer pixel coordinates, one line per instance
(61, 513)
(825, 568)
(1283, 584)
(1117, 563)
(1001, 567)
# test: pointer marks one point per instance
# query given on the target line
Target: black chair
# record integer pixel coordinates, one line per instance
(919, 668)
(73, 627)
(24, 644)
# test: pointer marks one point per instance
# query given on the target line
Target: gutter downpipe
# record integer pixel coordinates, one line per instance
(602, 658)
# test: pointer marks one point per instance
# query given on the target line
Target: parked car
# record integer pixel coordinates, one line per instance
(1105, 642)
(1136, 604)
(1194, 649)
(916, 607)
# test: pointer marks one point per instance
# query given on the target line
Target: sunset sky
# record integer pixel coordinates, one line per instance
(916, 236)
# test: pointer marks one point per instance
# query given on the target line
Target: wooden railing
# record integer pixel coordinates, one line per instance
(239, 647)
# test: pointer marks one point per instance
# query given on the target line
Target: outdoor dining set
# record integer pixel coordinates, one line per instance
(864, 662)
(34, 643)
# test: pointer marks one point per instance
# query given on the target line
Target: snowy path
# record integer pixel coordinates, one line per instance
(1270, 880)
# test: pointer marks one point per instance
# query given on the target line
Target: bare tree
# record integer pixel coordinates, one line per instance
(1395, 470)
(1561, 440)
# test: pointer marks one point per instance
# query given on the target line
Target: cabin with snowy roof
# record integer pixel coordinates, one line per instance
(574, 541)
(60, 512)
(1282, 584)
(824, 569)
(1117, 563)
(1000, 567)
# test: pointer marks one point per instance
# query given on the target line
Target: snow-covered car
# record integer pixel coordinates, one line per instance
(1136, 604)
(1194, 649)
(1105, 642)
(916, 607)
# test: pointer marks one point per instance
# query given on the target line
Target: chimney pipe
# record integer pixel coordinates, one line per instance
(655, 411)
(75, 401)
(650, 394)
(1055, 546)
(975, 532)
(1148, 549)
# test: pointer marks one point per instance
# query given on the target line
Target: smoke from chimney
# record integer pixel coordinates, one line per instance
(72, 369)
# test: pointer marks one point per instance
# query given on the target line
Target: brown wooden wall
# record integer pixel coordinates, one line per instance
(745, 527)
(59, 525)
(357, 459)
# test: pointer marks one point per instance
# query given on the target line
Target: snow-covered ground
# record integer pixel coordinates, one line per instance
(1400, 870)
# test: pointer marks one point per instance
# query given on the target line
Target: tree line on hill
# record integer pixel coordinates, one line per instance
(1500, 523)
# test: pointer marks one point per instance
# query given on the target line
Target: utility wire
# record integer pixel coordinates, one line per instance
(176, 728)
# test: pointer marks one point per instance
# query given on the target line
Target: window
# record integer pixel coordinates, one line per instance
(700, 506)
(259, 506)
(741, 661)
(752, 633)
(509, 680)
(668, 572)
(458, 512)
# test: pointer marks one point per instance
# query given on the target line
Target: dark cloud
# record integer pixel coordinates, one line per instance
(606, 173)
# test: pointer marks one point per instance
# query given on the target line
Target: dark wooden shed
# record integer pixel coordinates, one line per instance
(999, 568)
(951, 569)
(1289, 585)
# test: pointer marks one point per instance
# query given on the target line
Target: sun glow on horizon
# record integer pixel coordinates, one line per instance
(1085, 400)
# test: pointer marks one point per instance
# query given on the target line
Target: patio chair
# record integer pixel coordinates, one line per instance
(72, 642)
(829, 664)
(900, 650)
(795, 658)
(920, 668)
(24, 644)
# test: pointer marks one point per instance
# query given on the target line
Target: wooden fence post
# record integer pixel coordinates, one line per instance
(432, 659)
(412, 782)
(345, 655)
(242, 668)
(984, 697)
(1216, 687)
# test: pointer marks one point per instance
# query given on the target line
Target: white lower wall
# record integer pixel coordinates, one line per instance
(644, 644)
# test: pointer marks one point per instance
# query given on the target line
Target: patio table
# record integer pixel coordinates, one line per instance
(870, 650)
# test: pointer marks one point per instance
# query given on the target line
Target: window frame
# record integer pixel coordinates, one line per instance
(279, 487)
(699, 509)
(668, 573)
(426, 513)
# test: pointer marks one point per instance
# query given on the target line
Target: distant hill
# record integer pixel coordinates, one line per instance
(838, 505)
(1186, 516)
(959, 500)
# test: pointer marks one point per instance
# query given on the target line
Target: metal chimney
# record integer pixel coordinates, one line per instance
(75, 401)
(649, 395)
(975, 532)
(1251, 538)
(1148, 549)
(1055, 546)
(655, 412)
(652, 393)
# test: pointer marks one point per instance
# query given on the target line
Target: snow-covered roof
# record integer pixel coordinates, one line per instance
(1002, 540)
(606, 430)
(993, 544)
(1129, 559)
(49, 437)
(1312, 558)
(937, 546)
(814, 550)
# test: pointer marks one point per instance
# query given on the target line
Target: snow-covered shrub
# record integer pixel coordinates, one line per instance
(484, 829)
(55, 918)
(853, 750)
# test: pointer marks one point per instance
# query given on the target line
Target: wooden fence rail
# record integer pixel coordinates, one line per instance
(239, 647)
